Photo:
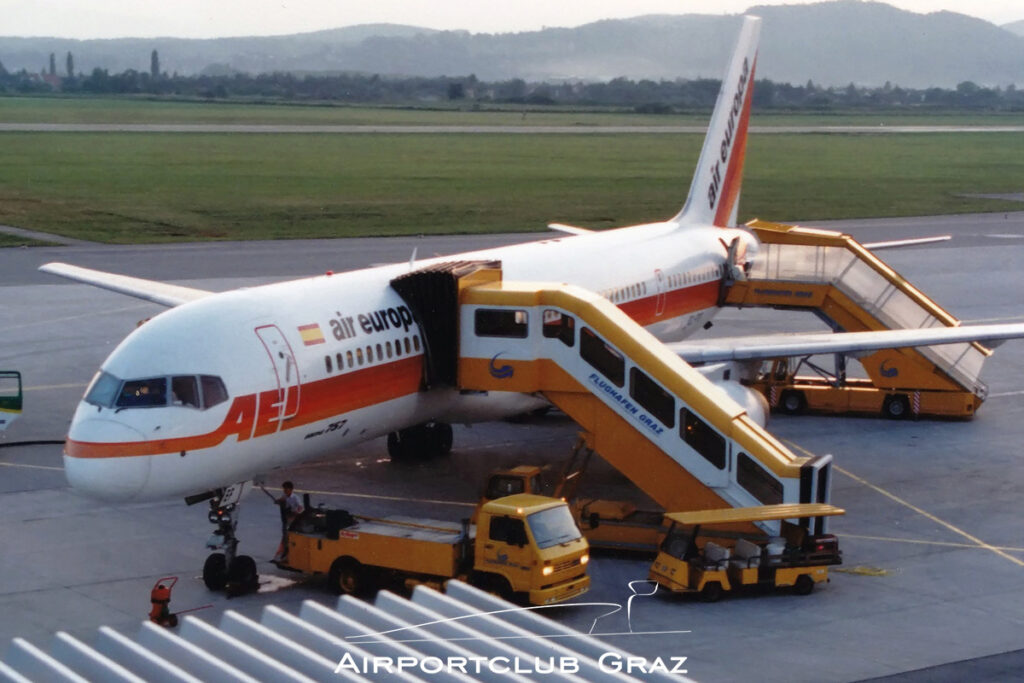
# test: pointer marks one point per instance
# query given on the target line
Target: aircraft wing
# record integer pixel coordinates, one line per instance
(568, 229)
(149, 290)
(782, 345)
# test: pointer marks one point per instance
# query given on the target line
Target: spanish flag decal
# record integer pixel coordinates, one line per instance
(311, 334)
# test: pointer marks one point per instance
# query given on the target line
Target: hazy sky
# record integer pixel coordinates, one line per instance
(212, 18)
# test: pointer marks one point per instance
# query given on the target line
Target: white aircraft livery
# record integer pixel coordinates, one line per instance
(226, 386)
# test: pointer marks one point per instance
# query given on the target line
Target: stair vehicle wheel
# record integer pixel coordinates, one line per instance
(243, 575)
(215, 572)
(895, 407)
(711, 592)
(804, 585)
(792, 402)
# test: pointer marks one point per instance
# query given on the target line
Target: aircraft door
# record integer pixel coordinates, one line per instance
(659, 283)
(286, 370)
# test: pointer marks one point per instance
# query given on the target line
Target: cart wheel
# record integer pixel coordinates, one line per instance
(804, 585)
(348, 576)
(895, 407)
(712, 592)
(215, 572)
(242, 574)
(792, 402)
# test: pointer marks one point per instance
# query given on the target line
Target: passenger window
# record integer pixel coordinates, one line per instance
(408, 348)
(558, 325)
(380, 353)
(603, 357)
(702, 438)
(501, 323)
(339, 361)
(655, 400)
(143, 393)
(398, 348)
(103, 390)
(185, 391)
(214, 391)
(416, 342)
(369, 354)
(359, 356)
(758, 481)
(348, 358)
(327, 364)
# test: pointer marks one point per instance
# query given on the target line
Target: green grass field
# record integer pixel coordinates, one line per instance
(181, 187)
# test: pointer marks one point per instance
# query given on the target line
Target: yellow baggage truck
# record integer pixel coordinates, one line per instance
(689, 562)
(606, 524)
(523, 547)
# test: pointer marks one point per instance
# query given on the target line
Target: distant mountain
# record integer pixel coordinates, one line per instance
(1015, 27)
(831, 43)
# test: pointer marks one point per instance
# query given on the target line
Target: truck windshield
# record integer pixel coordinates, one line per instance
(553, 526)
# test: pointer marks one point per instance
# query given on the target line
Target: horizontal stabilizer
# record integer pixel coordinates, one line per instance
(149, 290)
(783, 345)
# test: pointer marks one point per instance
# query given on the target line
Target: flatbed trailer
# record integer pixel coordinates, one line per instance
(689, 562)
(523, 547)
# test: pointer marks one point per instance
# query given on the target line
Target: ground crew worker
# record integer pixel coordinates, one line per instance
(291, 510)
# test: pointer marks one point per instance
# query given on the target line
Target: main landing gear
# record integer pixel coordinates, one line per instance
(420, 442)
(227, 570)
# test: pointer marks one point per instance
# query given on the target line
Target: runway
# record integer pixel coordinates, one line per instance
(933, 540)
(320, 129)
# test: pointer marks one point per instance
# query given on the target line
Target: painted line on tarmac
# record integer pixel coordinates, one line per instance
(924, 513)
(1002, 394)
(372, 496)
(31, 467)
(49, 387)
(921, 541)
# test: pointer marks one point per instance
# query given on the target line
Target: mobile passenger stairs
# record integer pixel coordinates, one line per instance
(647, 412)
(852, 290)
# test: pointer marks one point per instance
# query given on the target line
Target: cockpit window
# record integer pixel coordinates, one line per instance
(103, 390)
(214, 391)
(190, 391)
(143, 393)
(185, 391)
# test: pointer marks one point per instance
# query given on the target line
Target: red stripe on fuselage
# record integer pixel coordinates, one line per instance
(350, 391)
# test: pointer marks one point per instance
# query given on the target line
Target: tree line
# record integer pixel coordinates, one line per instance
(648, 96)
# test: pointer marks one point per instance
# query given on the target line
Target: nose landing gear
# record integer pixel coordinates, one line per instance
(227, 570)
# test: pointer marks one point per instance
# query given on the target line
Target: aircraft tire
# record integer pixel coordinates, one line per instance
(215, 572)
(242, 575)
(439, 436)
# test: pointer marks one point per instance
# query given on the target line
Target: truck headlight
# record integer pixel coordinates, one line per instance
(548, 570)
(584, 559)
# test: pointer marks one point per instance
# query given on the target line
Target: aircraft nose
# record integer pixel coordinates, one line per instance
(99, 463)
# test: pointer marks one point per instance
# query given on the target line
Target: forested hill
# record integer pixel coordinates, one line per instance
(830, 43)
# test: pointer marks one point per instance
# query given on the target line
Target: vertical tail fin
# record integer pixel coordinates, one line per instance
(715, 190)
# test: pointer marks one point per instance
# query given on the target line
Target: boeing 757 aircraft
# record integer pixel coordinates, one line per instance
(223, 387)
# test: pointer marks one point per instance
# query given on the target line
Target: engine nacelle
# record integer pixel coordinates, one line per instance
(750, 400)
(726, 377)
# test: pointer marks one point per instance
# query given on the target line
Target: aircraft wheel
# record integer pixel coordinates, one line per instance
(895, 407)
(215, 572)
(711, 592)
(804, 585)
(792, 402)
(399, 446)
(243, 576)
(439, 436)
